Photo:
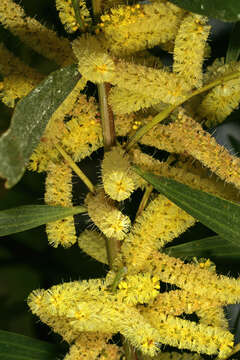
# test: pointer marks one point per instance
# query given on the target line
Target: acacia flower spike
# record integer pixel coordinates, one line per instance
(165, 113)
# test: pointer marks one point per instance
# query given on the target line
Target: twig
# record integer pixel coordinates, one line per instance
(75, 168)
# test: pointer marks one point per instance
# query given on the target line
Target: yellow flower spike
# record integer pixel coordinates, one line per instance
(87, 306)
(117, 177)
(189, 176)
(187, 136)
(223, 99)
(108, 219)
(138, 289)
(89, 345)
(84, 132)
(68, 17)
(159, 223)
(94, 244)
(59, 192)
(194, 279)
(124, 101)
(161, 84)
(144, 26)
(189, 48)
(93, 61)
(43, 40)
(186, 334)
(18, 78)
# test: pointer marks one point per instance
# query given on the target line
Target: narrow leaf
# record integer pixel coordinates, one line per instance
(225, 10)
(233, 50)
(222, 216)
(29, 120)
(18, 347)
(30, 216)
(213, 247)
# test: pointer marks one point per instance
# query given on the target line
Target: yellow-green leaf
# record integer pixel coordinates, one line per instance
(30, 216)
(18, 347)
(220, 215)
(29, 120)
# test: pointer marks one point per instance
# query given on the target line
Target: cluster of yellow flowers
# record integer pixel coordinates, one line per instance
(116, 51)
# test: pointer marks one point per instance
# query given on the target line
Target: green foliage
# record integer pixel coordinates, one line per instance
(30, 216)
(29, 120)
(218, 9)
(16, 346)
(213, 247)
(220, 215)
(233, 50)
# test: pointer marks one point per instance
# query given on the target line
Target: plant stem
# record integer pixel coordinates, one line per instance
(75, 5)
(107, 120)
(235, 350)
(97, 5)
(166, 112)
(75, 168)
(144, 200)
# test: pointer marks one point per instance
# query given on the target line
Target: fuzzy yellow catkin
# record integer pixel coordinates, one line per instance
(117, 177)
(189, 48)
(68, 18)
(186, 176)
(124, 101)
(93, 61)
(84, 131)
(187, 136)
(213, 316)
(18, 78)
(108, 218)
(88, 346)
(222, 99)
(72, 308)
(59, 192)
(177, 302)
(159, 223)
(96, 65)
(93, 244)
(138, 289)
(185, 334)
(132, 28)
(194, 278)
(43, 40)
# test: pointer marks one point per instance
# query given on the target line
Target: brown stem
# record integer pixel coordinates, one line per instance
(109, 137)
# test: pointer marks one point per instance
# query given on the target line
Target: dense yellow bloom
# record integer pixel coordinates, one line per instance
(59, 192)
(195, 279)
(222, 99)
(132, 28)
(117, 176)
(188, 136)
(159, 223)
(108, 218)
(18, 78)
(68, 16)
(189, 49)
(196, 179)
(29, 30)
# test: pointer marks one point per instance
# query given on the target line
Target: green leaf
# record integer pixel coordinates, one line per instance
(29, 216)
(225, 10)
(233, 50)
(29, 120)
(220, 215)
(18, 347)
(213, 247)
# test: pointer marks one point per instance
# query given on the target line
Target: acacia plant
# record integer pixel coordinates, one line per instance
(141, 104)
